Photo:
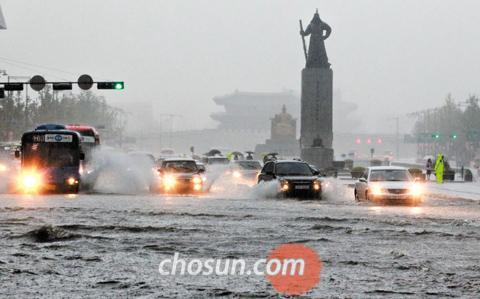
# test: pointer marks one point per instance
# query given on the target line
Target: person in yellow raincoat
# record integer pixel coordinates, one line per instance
(439, 168)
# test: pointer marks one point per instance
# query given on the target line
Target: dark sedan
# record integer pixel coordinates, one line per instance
(295, 178)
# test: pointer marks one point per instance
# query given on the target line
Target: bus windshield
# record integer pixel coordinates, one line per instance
(49, 155)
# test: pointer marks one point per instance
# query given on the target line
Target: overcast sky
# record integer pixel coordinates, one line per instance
(389, 57)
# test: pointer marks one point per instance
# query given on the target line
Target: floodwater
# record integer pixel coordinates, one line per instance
(110, 245)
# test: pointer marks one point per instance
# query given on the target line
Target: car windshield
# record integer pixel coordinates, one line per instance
(249, 165)
(389, 175)
(293, 168)
(180, 166)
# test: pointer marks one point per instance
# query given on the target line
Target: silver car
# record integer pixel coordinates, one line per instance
(388, 183)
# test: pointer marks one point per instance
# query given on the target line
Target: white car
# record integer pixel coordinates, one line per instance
(388, 183)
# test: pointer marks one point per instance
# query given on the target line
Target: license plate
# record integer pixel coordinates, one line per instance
(302, 187)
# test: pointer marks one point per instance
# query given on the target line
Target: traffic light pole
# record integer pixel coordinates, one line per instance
(37, 83)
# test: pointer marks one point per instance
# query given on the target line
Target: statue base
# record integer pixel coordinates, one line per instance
(319, 156)
(316, 107)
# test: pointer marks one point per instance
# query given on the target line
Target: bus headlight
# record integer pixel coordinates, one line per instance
(30, 182)
(3, 168)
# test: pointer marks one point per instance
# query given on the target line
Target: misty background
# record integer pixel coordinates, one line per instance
(388, 57)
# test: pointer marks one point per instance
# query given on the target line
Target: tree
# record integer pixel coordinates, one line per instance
(450, 130)
(55, 107)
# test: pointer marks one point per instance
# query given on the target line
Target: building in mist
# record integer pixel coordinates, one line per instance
(252, 110)
(248, 121)
(283, 136)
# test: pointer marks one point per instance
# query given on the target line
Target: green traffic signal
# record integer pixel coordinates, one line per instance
(118, 85)
(111, 85)
(436, 135)
(454, 136)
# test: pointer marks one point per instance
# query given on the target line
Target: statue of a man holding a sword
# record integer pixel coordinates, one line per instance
(318, 31)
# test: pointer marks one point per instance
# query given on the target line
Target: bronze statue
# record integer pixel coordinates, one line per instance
(318, 31)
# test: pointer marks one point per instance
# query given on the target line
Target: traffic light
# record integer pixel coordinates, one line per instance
(62, 86)
(13, 86)
(454, 136)
(111, 85)
(436, 136)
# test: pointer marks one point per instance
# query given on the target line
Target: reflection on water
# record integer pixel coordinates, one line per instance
(376, 209)
(416, 210)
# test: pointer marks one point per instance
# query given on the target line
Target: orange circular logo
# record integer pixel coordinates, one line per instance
(293, 269)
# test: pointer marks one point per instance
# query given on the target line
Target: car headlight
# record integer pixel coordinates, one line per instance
(377, 190)
(236, 174)
(169, 181)
(72, 181)
(317, 185)
(416, 190)
(197, 180)
(3, 168)
(284, 185)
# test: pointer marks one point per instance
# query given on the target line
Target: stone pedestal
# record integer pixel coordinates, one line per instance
(318, 156)
(317, 116)
(317, 108)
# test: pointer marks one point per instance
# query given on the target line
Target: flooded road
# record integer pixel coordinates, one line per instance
(111, 245)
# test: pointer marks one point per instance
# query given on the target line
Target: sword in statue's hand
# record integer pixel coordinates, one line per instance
(303, 40)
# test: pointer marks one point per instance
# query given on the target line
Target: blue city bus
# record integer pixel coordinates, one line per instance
(50, 160)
